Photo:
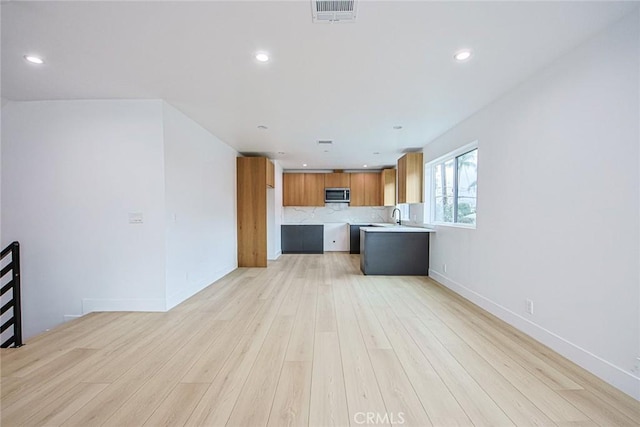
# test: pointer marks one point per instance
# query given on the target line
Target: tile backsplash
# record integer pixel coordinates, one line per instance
(336, 212)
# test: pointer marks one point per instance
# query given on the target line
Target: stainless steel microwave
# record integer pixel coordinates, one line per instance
(337, 195)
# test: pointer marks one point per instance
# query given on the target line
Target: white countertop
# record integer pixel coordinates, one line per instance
(311, 223)
(397, 229)
(374, 224)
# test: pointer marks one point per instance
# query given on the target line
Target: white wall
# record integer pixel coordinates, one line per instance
(200, 182)
(72, 171)
(558, 208)
(274, 215)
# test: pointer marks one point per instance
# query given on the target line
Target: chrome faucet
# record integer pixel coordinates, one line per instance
(393, 215)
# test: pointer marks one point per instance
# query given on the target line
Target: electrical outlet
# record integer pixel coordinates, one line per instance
(529, 306)
(135, 218)
(444, 268)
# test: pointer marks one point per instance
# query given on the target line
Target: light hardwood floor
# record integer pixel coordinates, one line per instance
(306, 341)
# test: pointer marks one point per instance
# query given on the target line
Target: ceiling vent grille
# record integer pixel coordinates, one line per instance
(329, 11)
(325, 142)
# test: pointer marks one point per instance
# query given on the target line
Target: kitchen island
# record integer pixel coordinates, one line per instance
(395, 250)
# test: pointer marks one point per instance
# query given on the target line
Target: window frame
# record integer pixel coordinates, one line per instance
(430, 186)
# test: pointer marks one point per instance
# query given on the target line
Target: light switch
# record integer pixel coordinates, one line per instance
(135, 218)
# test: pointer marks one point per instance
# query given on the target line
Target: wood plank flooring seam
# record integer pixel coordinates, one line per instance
(282, 365)
(404, 369)
(289, 284)
(435, 370)
(347, 283)
(454, 331)
(471, 417)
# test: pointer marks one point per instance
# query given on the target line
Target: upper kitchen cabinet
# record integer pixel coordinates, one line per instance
(372, 190)
(388, 185)
(365, 189)
(410, 170)
(337, 180)
(314, 189)
(303, 189)
(293, 189)
(252, 180)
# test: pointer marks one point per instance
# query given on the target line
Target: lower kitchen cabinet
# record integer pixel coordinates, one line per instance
(394, 253)
(302, 239)
(354, 238)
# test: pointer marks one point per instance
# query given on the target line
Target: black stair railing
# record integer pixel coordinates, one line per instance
(13, 285)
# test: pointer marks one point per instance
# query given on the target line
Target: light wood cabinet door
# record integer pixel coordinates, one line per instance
(388, 184)
(293, 189)
(365, 189)
(357, 189)
(410, 177)
(303, 189)
(313, 189)
(372, 189)
(337, 180)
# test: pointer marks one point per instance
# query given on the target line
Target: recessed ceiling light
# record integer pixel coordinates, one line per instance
(34, 59)
(462, 55)
(304, 165)
(376, 152)
(364, 166)
(262, 56)
(263, 127)
(280, 152)
(397, 127)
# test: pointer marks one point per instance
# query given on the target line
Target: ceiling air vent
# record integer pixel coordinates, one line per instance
(328, 11)
(325, 142)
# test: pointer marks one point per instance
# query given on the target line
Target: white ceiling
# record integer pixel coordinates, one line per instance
(347, 82)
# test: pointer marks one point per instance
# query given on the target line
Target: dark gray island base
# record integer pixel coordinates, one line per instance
(398, 253)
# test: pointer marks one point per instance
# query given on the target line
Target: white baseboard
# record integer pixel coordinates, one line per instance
(69, 317)
(134, 304)
(187, 293)
(276, 256)
(603, 369)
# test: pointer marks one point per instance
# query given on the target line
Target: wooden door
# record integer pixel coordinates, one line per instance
(252, 211)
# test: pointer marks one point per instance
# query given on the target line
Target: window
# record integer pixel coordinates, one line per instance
(452, 185)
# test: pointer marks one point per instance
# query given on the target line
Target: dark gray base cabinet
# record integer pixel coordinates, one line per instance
(354, 238)
(398, 254)
(302, 239)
